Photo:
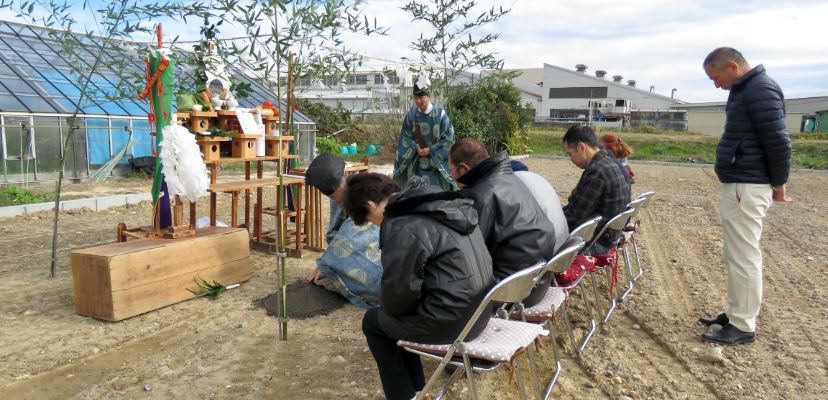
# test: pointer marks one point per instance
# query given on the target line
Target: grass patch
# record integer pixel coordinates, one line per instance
(696, 148)
(14, 196)
(810, 135)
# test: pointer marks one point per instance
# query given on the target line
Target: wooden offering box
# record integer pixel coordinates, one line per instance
(228, 121)
(121, 280)
(272, 145)
(196, 121)
(210, 147)
(244, 146)
(271, 125)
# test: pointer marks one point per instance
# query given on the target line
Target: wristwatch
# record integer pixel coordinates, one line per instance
(777, 188)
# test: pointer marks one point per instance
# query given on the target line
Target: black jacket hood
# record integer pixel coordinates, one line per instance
(452, 209)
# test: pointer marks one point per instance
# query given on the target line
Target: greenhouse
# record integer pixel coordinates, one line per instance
(38, 96)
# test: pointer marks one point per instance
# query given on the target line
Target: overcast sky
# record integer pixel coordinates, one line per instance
(659, 43)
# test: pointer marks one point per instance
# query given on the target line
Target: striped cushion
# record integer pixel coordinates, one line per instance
(498, 342)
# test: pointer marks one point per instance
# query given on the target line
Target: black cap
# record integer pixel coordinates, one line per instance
(325, 173)
(421, 92)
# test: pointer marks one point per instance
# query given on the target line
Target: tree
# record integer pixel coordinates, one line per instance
(491, 112)
(452, 45)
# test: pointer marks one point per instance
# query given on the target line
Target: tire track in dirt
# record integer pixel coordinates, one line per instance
(661, 357)
(786, 278)
(671, 291)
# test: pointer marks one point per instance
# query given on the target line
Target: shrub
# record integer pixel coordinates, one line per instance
(327, 145)
(491, 112)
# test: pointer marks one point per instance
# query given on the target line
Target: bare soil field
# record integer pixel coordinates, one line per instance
(230, 348)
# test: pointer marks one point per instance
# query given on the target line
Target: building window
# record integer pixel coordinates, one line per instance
(304, 82)
(283, 81)
(358, 79)
(394, 80)
(378, 80)
(578, 93)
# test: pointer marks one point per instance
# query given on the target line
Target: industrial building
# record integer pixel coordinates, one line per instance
(38, 95)
(801, 115)
(576, 96)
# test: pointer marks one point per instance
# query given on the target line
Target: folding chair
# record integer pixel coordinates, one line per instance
(585, 231)
(627, 237)
(501, 341)
(544, 311)
(633, 228)
(617, 223)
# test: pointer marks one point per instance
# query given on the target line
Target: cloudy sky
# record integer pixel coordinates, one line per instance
(658, 43)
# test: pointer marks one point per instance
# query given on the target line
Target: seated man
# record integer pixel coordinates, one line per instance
(352, 259)
(602, 189)
(517, 232)
(546, 197)
(436, 272)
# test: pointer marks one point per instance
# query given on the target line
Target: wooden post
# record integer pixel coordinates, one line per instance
(247, 196)
(298, 207)
(259, 205)
(178, 212)
(213, 178)
(234, 210)
(192, 214)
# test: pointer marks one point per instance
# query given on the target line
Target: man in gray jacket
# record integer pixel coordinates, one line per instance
(753, 160)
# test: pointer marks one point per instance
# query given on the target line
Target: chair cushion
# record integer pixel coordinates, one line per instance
(546, 308)
(498, 342)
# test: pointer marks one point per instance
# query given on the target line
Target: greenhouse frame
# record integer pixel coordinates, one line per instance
(38, 96)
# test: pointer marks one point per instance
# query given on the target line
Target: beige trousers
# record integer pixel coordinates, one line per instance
(743, 207)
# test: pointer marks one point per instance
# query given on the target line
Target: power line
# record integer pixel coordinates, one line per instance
(171, 42)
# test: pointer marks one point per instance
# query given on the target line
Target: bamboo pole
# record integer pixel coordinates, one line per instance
(282, 250)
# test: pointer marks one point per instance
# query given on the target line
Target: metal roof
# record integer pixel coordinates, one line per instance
(35, 76)
(609, 82)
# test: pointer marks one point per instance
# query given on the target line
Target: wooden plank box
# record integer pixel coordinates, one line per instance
(210, 147)
(274, 143)
(121, 280)
(244, 146)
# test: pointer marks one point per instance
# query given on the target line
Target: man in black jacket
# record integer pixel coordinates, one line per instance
(753, 160)
(602, 189)
(518, 233)
(436, 271)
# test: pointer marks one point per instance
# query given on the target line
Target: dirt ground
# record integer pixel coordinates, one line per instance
(230, 348)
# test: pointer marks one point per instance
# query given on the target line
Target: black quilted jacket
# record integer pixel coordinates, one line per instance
(755, 147)
(517, 232)
(435, 266)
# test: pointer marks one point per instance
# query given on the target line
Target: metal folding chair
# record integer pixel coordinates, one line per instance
(617, 223)
(585, 231)
(501, 341)
(544, 312)
(633, 228)
(628, 236)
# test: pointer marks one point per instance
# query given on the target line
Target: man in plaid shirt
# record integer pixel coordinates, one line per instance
(602, 189)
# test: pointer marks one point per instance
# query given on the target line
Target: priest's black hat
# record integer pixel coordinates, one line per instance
(326, 173)
(421, 92)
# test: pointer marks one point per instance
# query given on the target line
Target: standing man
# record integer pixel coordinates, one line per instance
(753, 160)
(430, 161)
